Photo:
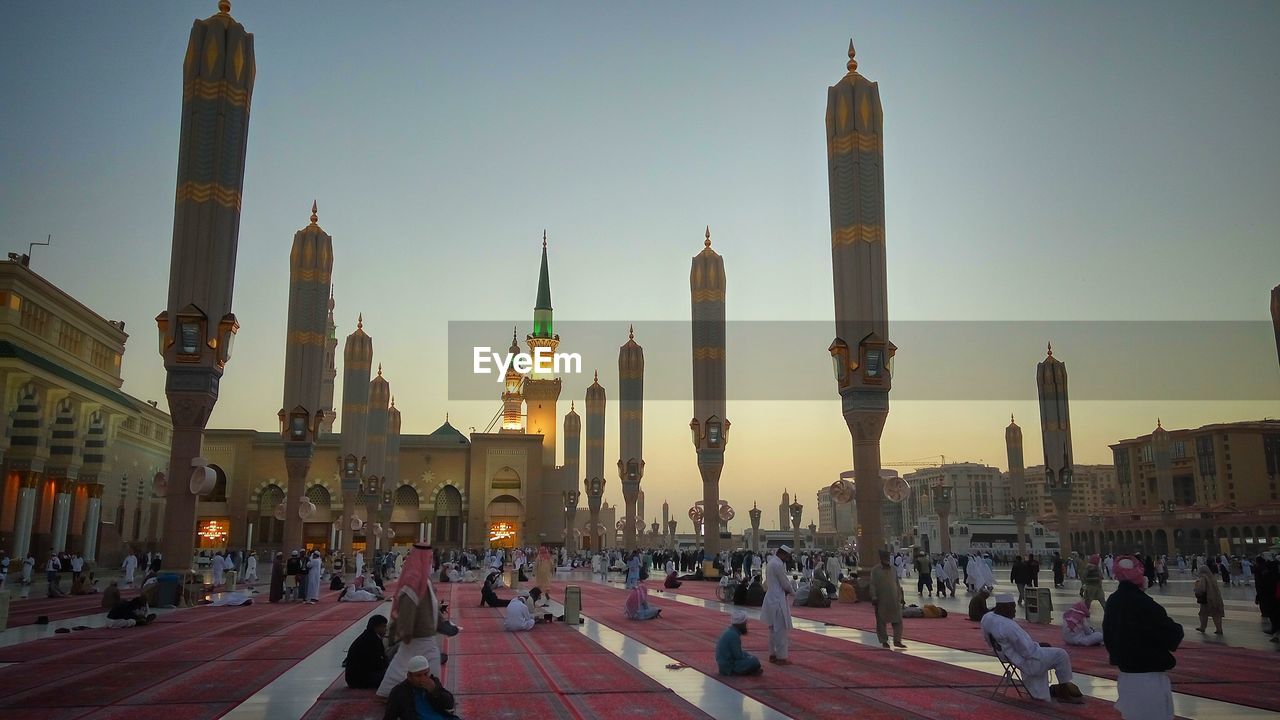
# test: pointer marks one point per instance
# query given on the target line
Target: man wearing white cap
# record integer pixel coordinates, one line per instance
(730, 657)
(776, 610)
(419, 693)
(1032, 659)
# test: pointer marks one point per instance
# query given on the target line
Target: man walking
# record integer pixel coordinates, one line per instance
(886, 596)
(776, 610)
(1140, 640)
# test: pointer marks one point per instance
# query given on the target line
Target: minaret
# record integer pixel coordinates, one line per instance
(357, 361)
(1017, 483)
(1055, 428)
(784, 511)
(572, 471)
(861, 351)
(512, 399)
(666, 515)
(1162, 455)
(197, 325)
(709, 426)
(640, 508)
(376, 473)
(631, 434)
(330, 370)
(542, 387)
(594, 482)
(310, 267)
(393, 463)
(1275, 316)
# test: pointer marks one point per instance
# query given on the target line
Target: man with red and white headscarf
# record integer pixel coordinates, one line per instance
(1140, 639)
(414, 617)
(542, 569)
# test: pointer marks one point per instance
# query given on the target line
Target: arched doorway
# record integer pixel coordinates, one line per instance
(405, 515)
(504, 517)
(317, 530)
(448, 523)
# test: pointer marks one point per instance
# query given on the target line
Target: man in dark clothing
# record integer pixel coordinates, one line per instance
(420, 696)
(1059, 571)
(488, 596)
(1140, 640)
(366, 661)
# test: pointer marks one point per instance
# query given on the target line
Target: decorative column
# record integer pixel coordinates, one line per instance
(1017, 482)
(861, 352)
(1055, 428)
(631, 433)
(61, 514)
(24, 517)
(375, 486)
(92, 519)
(303, 410)
(572, 455)
(709, 426)
(1162, 454)
(197, 327)
(357, 362)
(942, 506)
(754, 512)
(594, 482)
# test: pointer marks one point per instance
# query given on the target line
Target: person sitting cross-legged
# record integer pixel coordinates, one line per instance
(637, 606)
(1033, 660)
(366, 660)
(420, 696)
(1076, 629)
(731, 659)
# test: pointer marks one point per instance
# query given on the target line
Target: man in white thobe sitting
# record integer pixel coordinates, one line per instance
(1033, 660)
(518, 617)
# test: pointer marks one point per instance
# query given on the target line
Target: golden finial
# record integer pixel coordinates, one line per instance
(570, 406)
(379, 369)
(393, 401)
(1158, 426)
(631, 334)
(1050, 348)
(597, 377)
(446, 417)
(1011, 422)
(314, 217)
(544, 238)
(360, 321)
(707, 242)
(853, 64)
(224, 7)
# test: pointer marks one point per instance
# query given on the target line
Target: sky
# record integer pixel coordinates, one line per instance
(1043, 162)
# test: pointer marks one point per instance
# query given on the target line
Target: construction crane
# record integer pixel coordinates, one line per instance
(921, 463)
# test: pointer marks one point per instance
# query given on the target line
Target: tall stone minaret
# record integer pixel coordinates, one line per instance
(861, 351)
(197, 324)
(594, 482)
(709, 425)
(1017, 483)
(393, 461)
(784, 511)
(1162, 455)
(542, 387)
(376, 472)
(310, 267)
(1275, 317)
(357, 361)
(572, 471)
(1055, 428)
(512, 397)
(631, 434)
(330, 369)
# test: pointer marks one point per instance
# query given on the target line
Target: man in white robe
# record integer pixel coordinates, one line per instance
(980, 575)
(1032, 660)
(415, 617)
(776, 611)
(130, 567)
(315, 566)
(518, 616)
(359, 564)
(251, 568)
(218, 566)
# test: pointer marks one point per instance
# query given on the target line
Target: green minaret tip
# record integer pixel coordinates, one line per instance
(542, 308)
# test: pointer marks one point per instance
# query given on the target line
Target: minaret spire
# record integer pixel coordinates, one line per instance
(314, 218)
(852, 65)
(542, 327)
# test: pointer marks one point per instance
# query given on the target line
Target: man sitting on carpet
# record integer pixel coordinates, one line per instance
(731, 659)
(129, 613)
(978, 605)
(420, 696)
(1033, 660)
(366, 661)
(518, 617)
(487, 594)
(672, 582)
(638, 607)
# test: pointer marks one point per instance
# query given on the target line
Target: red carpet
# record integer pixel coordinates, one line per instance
(275, 647)
(483, 643)
(216, 681)
(197, 649)
(594, 673)
(354, 709)
(665, 705)
(101, 685)
(486, 674)
(25, 612)
(168, 711)
(540, 705)
(834, 703)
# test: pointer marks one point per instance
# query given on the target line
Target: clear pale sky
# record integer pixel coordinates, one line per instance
(1070, 161)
